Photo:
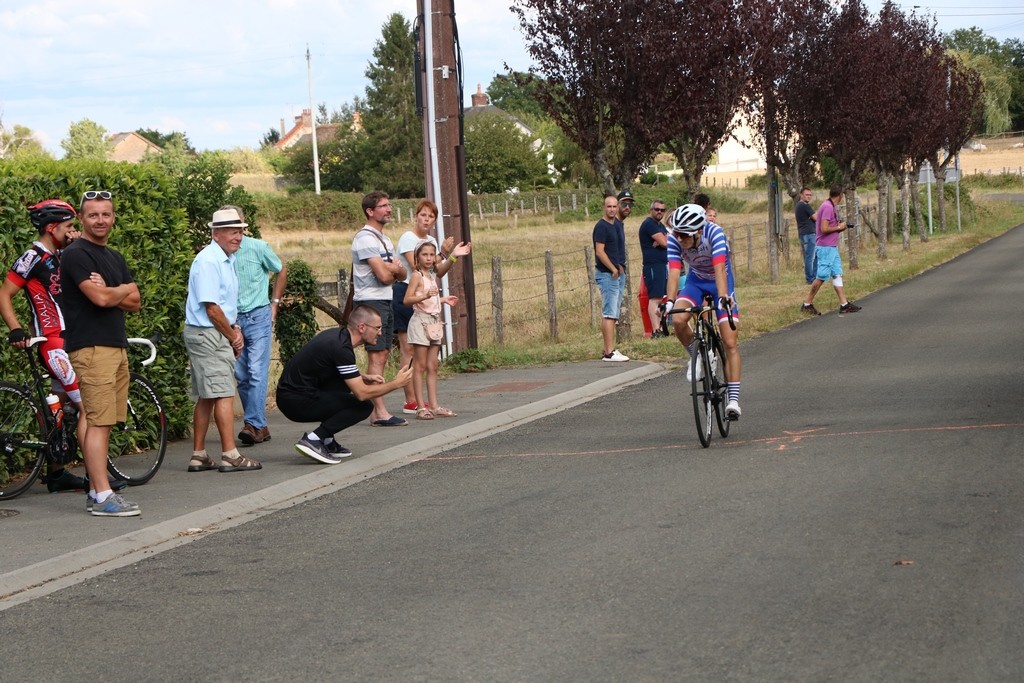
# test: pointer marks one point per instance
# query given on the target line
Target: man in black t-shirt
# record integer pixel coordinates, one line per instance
(97, 288)
(806, 218)
(322, 382)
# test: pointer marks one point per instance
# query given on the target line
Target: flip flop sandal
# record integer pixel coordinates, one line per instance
(393, 421)
(424, 414)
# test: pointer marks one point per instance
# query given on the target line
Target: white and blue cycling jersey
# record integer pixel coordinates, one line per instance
(713, 248)
(700, 280)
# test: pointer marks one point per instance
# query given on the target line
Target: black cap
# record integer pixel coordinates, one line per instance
(625, 195)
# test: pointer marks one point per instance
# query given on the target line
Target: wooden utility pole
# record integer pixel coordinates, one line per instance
(440, 94)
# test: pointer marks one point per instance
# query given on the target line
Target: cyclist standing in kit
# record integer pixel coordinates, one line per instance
(97, 288)
(703, 246)
(37, 272)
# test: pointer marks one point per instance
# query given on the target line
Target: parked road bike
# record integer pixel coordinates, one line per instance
(708, 385)
(31, 432)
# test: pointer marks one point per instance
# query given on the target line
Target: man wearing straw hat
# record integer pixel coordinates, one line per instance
(213, 341)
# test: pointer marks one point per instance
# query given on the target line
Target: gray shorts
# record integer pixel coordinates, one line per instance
(387, 324)
(213, 362)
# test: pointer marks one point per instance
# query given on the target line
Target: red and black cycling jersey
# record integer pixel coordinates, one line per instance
(37, 271)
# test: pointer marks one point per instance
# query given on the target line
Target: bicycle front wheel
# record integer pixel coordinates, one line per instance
(22, 440)
(700, 386)
(138, 445)
(719, 387)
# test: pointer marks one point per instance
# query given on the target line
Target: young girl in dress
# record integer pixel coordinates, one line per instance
(426, 302)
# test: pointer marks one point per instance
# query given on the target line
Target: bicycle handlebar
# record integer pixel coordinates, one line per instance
(131, 340)
(709, 305)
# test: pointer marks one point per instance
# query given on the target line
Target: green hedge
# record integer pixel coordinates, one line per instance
(150, 231)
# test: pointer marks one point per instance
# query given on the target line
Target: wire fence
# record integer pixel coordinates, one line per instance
(553, 296)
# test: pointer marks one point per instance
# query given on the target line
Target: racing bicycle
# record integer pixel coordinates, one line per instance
(31, 433)
(708, 385)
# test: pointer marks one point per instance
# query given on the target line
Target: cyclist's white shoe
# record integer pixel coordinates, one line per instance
(700, 369)
(732, 410)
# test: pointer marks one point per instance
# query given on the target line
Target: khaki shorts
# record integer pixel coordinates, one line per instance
(103, 380)
(213, 362)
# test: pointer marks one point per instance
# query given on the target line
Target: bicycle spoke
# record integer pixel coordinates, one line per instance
(137, 446)
(21, 440)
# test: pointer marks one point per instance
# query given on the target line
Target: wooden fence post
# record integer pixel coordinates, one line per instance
(549, 275)
(496, 300)
(588, 258)
(750, 248)
(342, 287)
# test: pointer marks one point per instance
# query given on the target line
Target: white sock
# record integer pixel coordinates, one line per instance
(102, 495)
(312, 436)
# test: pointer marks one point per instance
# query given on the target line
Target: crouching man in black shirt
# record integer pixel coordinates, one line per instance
(322, 382)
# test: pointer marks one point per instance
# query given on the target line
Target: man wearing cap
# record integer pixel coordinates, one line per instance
(255, 261)
(37, 273)
(213, 342)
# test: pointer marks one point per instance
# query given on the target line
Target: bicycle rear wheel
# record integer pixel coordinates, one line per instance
(138, 445)
(22, 440)
(701, 391)
(720, 388)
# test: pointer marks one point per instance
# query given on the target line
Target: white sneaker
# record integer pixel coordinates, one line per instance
(615, 357)
(700, 370)
(732, 410)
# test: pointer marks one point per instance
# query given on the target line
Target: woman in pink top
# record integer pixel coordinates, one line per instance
(425, 299)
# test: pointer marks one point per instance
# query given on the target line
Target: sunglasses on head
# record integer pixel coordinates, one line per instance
(96, 194)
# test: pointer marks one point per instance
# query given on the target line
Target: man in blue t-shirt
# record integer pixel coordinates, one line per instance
(610, 251)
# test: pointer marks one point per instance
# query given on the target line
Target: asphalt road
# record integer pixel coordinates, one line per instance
(863, 522)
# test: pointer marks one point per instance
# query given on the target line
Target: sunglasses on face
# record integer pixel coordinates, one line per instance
(96, 194)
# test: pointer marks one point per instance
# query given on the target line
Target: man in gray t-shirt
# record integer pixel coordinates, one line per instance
(374, 269)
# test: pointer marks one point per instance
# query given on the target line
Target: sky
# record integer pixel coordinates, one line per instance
(226, 71)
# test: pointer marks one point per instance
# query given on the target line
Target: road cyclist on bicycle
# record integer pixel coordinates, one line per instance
(702, 245)
(37, 273)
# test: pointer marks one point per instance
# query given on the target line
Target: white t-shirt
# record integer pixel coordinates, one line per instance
(365, 246)
(408, 242)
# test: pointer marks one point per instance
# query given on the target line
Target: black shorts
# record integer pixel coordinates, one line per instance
(656, 279)
(401, 312)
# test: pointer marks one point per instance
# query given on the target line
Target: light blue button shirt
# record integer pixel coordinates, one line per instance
(211, 279)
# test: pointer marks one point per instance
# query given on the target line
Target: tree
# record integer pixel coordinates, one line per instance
(713, 85)
(995, 115)
(517, 94)
(270, 138)
(392, 150)
(499, 156)
(86, 140)
(601, 75)
(174, 139)
(1001, 66)
(19, 143)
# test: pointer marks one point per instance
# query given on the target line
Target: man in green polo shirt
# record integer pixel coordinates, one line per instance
(255, 262)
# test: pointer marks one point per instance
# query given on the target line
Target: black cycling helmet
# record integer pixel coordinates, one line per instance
(50, 211)
(688, 219)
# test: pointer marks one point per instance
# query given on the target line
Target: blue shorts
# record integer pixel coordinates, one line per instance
(656, 279)
(829, 264)
(695, 288)
(611, 293)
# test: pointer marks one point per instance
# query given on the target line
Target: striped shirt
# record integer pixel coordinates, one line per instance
(254, 262)
(713, 249)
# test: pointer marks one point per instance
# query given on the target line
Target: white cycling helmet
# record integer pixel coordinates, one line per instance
(688, 219)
